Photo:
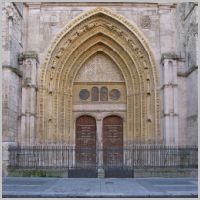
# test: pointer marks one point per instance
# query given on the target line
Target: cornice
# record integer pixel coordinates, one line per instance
(28, 54)
(169, 55)
(99, 3)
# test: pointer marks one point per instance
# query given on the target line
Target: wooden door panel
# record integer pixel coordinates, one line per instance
(113, 141)
(85, 142)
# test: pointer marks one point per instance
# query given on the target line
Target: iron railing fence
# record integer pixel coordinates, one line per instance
(137, 156)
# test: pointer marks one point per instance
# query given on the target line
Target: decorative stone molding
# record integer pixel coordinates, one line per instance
(169, 55)
(188, 72)
(169, 85)
(28, 54)
(170, 114)
(32, 114)
(99, 30)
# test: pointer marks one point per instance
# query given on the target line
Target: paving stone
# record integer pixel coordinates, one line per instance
(94, 187)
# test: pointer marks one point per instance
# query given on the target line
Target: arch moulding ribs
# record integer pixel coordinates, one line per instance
(44, 76)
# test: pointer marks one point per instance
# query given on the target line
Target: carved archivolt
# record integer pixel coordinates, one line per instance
(99, 30)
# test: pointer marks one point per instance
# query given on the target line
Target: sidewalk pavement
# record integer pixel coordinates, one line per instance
(99, 187)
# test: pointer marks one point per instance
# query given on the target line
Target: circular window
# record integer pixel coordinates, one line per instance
(84, 94)
(114, 94)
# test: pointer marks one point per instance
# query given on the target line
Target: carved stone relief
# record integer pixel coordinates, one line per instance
(145, 22)
(99, 68)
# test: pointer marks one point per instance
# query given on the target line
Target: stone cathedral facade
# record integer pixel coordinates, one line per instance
(99, 74)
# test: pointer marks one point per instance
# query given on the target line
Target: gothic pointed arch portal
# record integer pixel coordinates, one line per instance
(99, 31)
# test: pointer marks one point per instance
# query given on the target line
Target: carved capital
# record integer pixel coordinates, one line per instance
(27, 55)
(169, 55)
(99, 119)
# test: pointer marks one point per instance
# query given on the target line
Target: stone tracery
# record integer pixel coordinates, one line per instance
(100, 30)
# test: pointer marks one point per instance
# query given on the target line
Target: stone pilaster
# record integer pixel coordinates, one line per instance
(170, 100)
(29, 67)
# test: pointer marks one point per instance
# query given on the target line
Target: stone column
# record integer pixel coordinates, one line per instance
(99, 142)
(170, 100)
(29, 66)
(100, 147)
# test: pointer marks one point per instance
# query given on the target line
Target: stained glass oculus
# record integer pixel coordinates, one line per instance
(114, 94)
(84, 94)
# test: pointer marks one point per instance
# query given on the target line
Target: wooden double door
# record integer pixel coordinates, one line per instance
(86, 142)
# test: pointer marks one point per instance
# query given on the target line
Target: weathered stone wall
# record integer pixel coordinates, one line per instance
(11, 99)
(156, 21)
(182, 110)
(192, 108)
(11, 80)
(187, 25)
(186, 22)
(11, 47)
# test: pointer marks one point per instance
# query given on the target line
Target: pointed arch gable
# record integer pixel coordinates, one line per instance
(73, 24)
(101, 30)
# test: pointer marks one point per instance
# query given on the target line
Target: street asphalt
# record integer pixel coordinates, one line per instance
(99, 187)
